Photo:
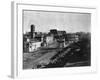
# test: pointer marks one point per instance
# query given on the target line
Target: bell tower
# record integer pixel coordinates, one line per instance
(32, 31)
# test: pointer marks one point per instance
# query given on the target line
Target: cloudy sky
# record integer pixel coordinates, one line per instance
(44, 21)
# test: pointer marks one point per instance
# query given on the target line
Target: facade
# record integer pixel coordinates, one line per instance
(34, 46)
(70, 38)
(49, 39)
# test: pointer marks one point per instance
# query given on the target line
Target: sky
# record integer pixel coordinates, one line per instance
(44, 21)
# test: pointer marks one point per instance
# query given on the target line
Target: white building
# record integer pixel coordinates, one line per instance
(49, 39)
(34, 46)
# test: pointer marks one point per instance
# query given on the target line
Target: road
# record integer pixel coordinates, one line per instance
(38, 57)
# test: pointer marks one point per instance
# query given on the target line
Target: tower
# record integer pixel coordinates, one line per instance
(32, 31)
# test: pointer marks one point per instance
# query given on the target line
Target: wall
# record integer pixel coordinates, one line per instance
(5, 38)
